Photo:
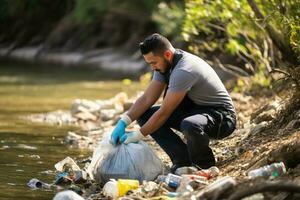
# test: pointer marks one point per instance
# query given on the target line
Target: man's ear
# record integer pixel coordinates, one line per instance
(168, 55)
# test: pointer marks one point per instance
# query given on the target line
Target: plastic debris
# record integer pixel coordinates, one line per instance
(80, 177)
(142, 165)
(67, 195)
(63, 179)
(186, 170)
(37, 184)
(209, 173)
(119, 188)
(66, 164)
(173, 180)
(274, 170)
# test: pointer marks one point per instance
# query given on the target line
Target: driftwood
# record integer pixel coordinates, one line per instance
(266, 187)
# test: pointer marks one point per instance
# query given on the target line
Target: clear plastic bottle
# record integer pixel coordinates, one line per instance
(275, 169)
(173, 180)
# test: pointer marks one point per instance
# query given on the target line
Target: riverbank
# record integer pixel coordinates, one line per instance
(109, 59)
(116, 61)
(262, 137)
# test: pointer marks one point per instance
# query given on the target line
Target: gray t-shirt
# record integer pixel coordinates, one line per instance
(194, 75)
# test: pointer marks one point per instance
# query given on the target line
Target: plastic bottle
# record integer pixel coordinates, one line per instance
(186, 170)
(119, 188)
(194, 177)
(185, 185)
(275, 169)
(37, 184)
(161, 178)
(173, 180)
(209, 173)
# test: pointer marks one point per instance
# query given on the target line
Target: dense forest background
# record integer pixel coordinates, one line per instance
(249, 37)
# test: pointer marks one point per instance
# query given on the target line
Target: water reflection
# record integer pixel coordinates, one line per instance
(30, 150)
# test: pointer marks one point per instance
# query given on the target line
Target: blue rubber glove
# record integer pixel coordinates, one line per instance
(118, 132)
(132, 137)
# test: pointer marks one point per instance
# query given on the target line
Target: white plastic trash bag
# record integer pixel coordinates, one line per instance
(103, 149)
(131, 161)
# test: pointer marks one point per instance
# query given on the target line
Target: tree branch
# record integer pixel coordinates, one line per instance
(277, 40)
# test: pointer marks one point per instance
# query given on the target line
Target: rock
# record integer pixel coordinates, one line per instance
(58, 117)
(78, 140)
(82, 104)
(84, 114)
(108, 114)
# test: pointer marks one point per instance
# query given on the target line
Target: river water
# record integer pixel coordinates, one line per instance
(30, 150)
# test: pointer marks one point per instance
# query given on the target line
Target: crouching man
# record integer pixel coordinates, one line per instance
(195, 103)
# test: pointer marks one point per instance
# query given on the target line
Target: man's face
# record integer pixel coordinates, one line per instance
(157, 62)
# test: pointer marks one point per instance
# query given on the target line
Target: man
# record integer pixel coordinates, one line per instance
(195, 103)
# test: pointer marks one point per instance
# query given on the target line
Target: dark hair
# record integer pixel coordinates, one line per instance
(155, 43)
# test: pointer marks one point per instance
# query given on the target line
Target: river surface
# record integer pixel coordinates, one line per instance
(30, 150)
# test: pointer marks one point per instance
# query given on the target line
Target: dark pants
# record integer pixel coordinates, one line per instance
(198, 124)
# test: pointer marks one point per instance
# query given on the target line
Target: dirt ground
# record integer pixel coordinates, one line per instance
(253, 145)
(268, 131)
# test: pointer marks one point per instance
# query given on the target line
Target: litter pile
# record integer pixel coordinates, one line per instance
(185, 183)
(134, 171)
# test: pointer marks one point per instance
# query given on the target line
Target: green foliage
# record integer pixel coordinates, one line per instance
(235, 28)
(88, 11)
(3, 10)
(169, 18)
(91, 11)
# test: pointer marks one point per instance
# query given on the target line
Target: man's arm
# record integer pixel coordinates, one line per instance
(150, 96)
(171, 101)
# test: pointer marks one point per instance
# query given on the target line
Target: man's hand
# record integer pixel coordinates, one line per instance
(119, 130)
(132, 137)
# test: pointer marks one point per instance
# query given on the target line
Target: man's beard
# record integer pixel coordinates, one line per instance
(167, 67)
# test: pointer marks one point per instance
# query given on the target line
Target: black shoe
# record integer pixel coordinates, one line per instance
(204, 166)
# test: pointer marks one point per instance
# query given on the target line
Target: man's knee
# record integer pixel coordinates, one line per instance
(191, 129)
(194, 133)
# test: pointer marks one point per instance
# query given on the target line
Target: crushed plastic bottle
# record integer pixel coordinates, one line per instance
(186, 170)
(119, 188)
(195, 177)
(37, 184)
(273, 170)
(209, 173)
